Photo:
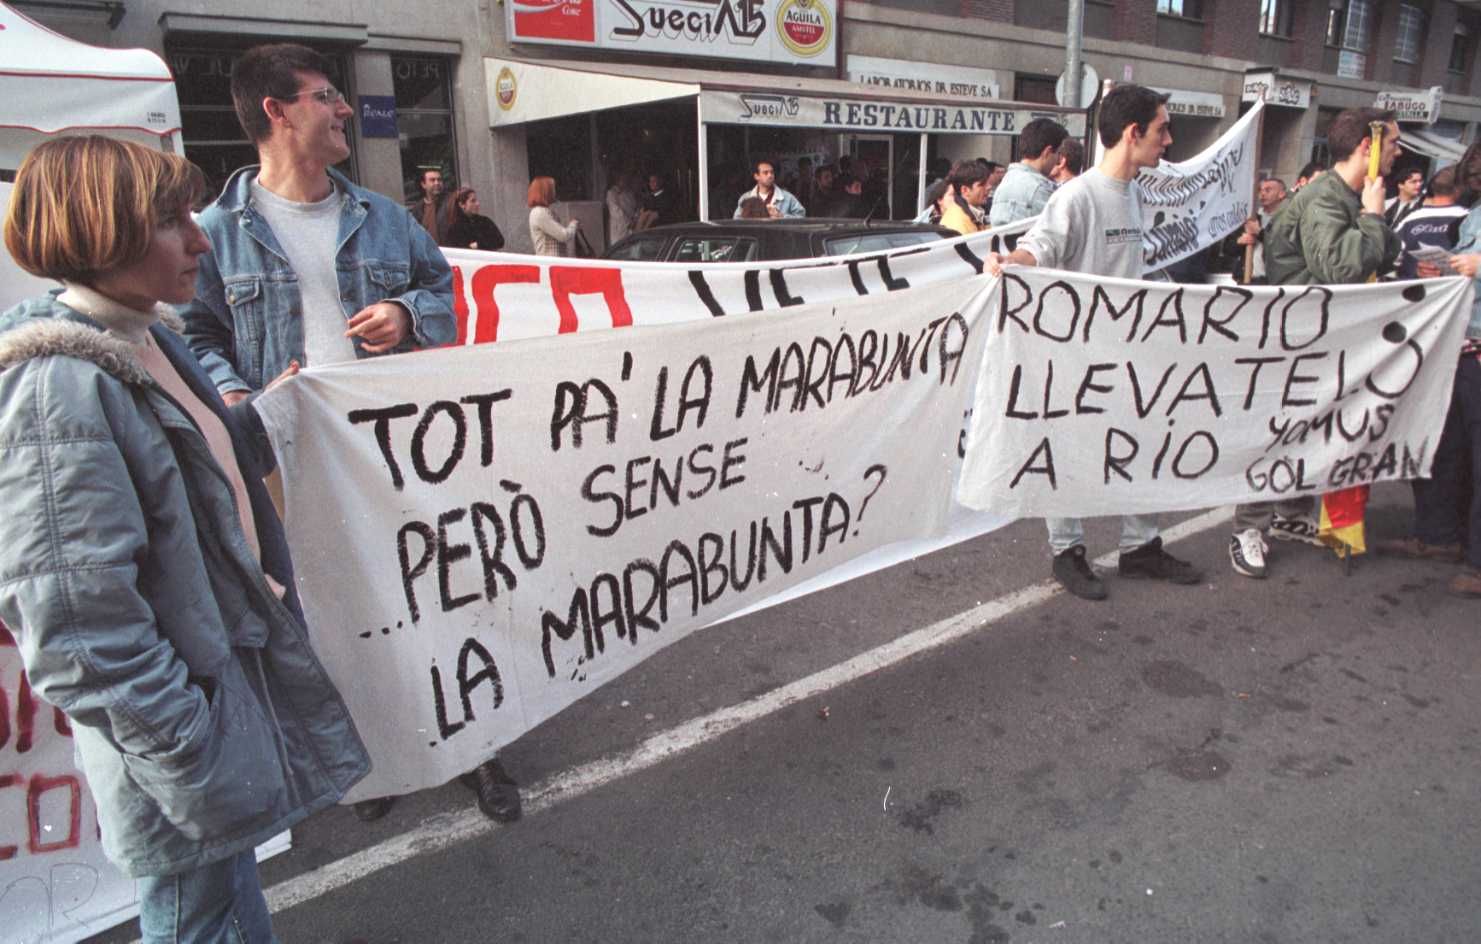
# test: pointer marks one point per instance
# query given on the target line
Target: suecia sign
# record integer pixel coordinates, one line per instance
(770, 106)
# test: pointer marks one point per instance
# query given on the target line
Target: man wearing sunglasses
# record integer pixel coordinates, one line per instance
(306, 266)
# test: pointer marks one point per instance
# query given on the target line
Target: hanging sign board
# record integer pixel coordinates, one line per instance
(1412, 104)
(795, 32)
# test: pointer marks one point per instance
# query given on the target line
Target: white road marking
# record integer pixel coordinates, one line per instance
(448, 829)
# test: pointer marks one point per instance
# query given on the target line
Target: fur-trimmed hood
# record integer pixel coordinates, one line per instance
(45, 327)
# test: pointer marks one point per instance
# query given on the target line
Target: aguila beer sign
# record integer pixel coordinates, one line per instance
(801, 32)
(805, 26)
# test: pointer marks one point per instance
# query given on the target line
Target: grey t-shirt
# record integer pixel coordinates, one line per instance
(309, 235)
(1093, 224)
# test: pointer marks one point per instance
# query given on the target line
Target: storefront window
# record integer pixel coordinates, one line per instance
(214, 139)
(561, 148)
(1319, 150)
(424, 118)
(1411, 33)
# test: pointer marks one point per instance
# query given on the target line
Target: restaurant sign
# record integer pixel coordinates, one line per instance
(786, 109)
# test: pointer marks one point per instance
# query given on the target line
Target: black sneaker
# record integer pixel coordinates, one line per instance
(1151, 562)
(1299, 528)
(1073, 572)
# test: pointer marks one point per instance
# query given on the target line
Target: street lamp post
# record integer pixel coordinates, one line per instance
(1074, 29)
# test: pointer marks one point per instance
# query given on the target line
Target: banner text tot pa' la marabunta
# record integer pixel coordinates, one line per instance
(484, 535)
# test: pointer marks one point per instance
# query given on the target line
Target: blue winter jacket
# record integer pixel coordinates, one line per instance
(204, 721)
(245, 323)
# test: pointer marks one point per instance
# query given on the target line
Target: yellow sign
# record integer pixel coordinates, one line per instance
(506, 89)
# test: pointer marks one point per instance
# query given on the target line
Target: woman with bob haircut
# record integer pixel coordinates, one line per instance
(549, 235)
(143, 570)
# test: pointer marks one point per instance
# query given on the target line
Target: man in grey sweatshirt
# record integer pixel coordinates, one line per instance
(1093, 224)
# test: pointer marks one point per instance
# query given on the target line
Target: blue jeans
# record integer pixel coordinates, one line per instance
(1447, 506)
(220, 903)
(1136, 530)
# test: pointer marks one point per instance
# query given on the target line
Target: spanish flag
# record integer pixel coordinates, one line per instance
(1341, 526)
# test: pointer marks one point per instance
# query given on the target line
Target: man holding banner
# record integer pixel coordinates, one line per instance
(1332, 232)
(317, 269)
(1093, 224)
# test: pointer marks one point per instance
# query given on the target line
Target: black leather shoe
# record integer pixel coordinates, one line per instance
(368, 811)
(498, 794)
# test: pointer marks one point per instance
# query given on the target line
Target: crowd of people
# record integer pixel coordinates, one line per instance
(848, 189)
(148, 577)
(1337, 225)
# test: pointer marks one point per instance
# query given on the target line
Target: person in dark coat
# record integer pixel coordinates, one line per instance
(465, 228)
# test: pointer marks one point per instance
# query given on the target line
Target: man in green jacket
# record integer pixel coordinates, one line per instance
(1332, 232)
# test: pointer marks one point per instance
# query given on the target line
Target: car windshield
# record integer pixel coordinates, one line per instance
(876, 242)
(639, 250)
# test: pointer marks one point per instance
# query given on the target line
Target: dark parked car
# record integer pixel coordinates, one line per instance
(765, 240)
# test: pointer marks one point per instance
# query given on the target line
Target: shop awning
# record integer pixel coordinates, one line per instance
(521, 91)
(1431, 145)
(527, 90)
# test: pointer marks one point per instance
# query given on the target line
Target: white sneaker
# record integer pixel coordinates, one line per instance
(1247, 551)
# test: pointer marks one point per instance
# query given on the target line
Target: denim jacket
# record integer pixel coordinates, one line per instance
(1021, 194)
(245, 322)
(789, 205)
(1470, 241)
(204, 721)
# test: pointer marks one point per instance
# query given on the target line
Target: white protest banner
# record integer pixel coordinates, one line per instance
(56, 886)
(1191, 205)
(505, 297)
(1101, 396)
(484, 535)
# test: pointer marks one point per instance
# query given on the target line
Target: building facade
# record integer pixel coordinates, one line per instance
(414, 78)
(604, 87)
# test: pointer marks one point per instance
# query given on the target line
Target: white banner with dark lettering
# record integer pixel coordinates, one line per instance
(483, 535)
(1193, 204)
(1105, 395)
(504, 297)
(56, 886)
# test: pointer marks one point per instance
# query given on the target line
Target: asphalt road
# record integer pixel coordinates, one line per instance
(1295, 760)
